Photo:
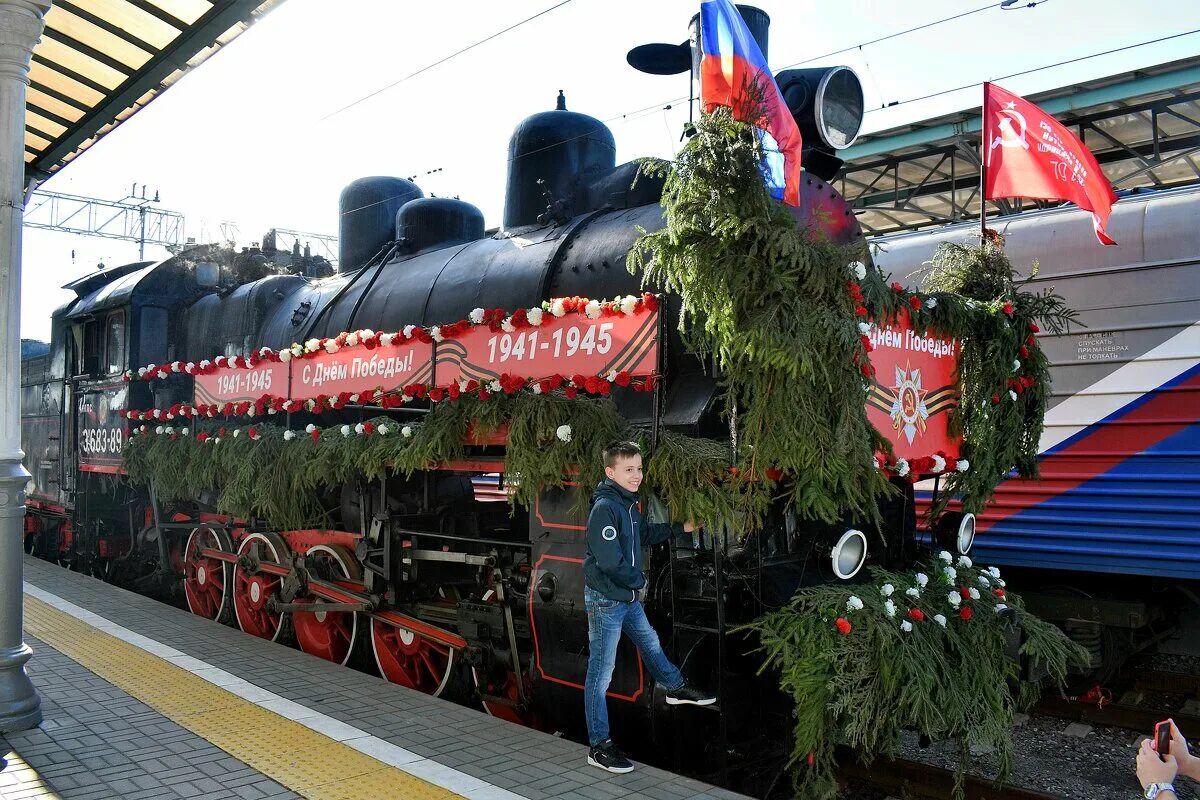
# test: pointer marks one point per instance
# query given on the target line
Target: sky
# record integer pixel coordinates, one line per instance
(259, 136)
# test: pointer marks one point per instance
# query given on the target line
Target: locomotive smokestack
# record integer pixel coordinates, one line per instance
(756, 20)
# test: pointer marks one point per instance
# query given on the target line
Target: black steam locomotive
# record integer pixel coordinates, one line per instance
(428, 579)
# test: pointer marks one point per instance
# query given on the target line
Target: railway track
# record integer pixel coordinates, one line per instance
(1127, 711)
(912, 779)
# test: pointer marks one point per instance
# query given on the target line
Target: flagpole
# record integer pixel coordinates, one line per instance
(983, 154)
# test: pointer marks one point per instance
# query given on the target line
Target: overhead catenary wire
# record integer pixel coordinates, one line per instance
(1037, 69)
(443, 60)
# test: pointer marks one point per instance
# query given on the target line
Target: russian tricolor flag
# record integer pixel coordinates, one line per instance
(730, 64)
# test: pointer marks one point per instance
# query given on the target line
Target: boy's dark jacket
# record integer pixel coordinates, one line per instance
(615, 536)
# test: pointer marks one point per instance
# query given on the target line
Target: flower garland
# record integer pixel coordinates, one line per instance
(927, 648)
(496, 320)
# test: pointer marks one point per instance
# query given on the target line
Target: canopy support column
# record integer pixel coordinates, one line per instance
(21, 23)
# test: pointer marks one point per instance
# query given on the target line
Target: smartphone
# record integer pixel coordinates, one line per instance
(1162, 737)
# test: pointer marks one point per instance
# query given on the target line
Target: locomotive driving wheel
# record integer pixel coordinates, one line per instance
(206, 580)
(328, 634)
(253, 590)
(497, 686)
(410, 660)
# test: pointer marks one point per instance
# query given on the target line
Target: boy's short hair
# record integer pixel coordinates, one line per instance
(617, 450)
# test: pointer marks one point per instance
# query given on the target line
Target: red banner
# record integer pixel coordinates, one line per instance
(236, 385)
(569, 345)
(913, 390)
(1028, 153)
(387, 368)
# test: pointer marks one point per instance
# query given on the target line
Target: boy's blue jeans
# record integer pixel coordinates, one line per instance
(606, 619)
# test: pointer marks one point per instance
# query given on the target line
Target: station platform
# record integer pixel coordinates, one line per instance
(142, 700)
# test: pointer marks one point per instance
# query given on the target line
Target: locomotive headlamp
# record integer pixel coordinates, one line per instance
(956, 532)
(827, 103)
(849, 554)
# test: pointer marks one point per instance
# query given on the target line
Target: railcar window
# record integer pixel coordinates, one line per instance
(114, 346)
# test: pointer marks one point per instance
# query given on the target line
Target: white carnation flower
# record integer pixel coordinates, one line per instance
(864, 328)
(495, 386)
(386, 339)
(408, 331)
(366, 334)
(858, 269)
(931, 303)
(628, 304)
(352, 339)
(984, 582)
(289, 435)
(945, 556)
(476, 316)
(611, 376)
(557, 308)
(1000, 583)
(406, 431)
(901, 467)
(176, 366)
(535, 316)
(974, 593)
(965, 561)
(158, 429)
(563, 433)
(939, 464)
(1012, 394)
(887, 589)
(382, 430)
(285, 356)
(309, 428)
(436, 333)
(939, 619)
(184, 431)
(168, 429)
(922, 579)
(507, 326)
(331, 346)
(953, 599)
(993, 571)
(353, 398)
(1000, 607)
(951, 573)
(345, 430)
(906, 626)
(312, 345)
(592, 309)
(912, 591)
(963, 465)
(236, 433)
(359, 428)
(889, 608)
(1016, 364)
(854, 603)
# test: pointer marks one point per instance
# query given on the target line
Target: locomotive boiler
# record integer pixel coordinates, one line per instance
(431, 578)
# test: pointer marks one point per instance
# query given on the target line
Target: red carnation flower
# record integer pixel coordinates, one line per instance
(484, 394)
(1033, 328)
(965, 613)
(774, 473)
(316, 434)
(436, 395)
(998, 592)
(916, 614)
(368, 428)
(453, 391)
(1024, 351)
(591, 384)
(964, 593)
(472, 385)
(860, 312)
(520, 318)
(603, 387)
(622, 378)
(201, 437)
(1031, 340)
(867, 369)
(844, 626)
(650, 383)
(578, 380)
(252, 433)
(221, 431)
(733, 471)
(866, 343)
(996, 399)
(174, 436)
(650, 301)
(915, 302)
(1008, 309)
(571, 392)
(556, 382)
(896, 287)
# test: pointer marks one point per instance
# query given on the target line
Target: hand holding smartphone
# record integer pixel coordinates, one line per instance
(1162, 738)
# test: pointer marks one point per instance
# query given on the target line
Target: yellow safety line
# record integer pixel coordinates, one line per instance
(309, 763)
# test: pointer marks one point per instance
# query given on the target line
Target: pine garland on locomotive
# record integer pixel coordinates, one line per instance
(444, 591)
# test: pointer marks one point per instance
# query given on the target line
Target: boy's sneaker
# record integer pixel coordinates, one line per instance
(690, 695)
(607, 755)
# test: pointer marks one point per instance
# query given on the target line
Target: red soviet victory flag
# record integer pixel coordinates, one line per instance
(1028, 153)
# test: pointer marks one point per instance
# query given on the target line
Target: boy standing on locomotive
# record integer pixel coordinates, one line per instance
(613, 590)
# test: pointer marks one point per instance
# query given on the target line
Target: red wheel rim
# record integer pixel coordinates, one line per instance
(410, 660)
(506, 688)
(251, 593)
(204, 579)
(328, 634)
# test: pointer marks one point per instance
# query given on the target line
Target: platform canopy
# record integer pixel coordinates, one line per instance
(1143, 127)
(100, 61)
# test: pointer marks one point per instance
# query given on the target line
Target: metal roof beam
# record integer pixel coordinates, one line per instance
(972, 122)
(220, 18)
